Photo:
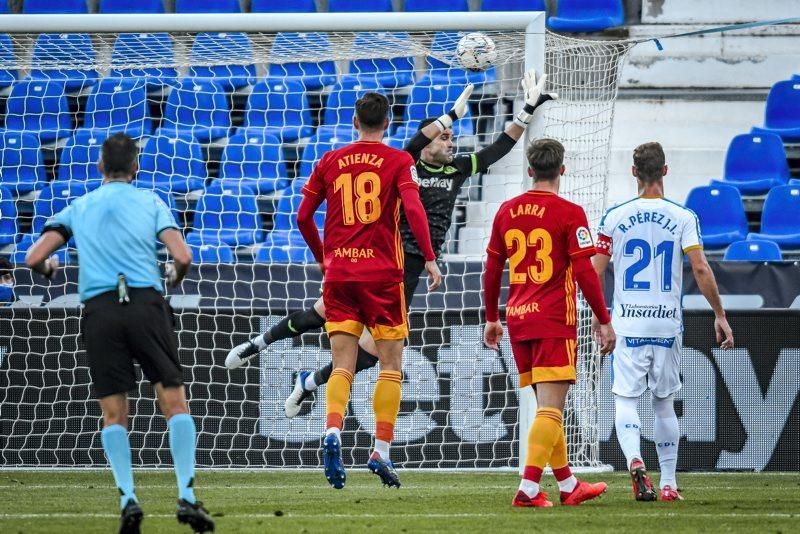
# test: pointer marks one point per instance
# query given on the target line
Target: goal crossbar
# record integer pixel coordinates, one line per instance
(530, 21)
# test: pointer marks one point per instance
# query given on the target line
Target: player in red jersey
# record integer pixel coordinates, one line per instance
(364, 184)
(547, 242)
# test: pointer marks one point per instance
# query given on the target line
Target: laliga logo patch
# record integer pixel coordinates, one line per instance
(414, 174)
(584, 237)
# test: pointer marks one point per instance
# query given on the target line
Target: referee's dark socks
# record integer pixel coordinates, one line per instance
(294, 324)
(364, 360)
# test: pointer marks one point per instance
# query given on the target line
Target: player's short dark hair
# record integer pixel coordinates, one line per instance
(372, 110)
(649, 160)
(119, 155)
(545, 157)
(5, 267)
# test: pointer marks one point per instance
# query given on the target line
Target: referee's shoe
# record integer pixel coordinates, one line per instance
(195, 515)
(131, 518)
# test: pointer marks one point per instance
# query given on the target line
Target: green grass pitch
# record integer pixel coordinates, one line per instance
(302, 501)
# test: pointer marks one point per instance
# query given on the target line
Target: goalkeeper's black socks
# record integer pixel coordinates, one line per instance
(364, 360)
(292, 326)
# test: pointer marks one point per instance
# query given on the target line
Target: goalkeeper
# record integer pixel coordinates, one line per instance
(441, 175)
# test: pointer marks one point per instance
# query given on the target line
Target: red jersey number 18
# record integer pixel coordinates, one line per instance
(366, 206)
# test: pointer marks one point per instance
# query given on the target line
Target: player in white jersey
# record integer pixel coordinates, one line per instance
(647, 237)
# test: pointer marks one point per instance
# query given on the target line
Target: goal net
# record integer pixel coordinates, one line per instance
(230, 125)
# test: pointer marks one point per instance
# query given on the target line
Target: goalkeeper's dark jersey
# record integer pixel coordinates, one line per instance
(439, 187)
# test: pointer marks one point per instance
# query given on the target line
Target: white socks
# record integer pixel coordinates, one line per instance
(568, 484)
(530, 487)
(626, 420)
(309, 384)
(382, 448)
(334, 430)
(259, 342)
(667, 434)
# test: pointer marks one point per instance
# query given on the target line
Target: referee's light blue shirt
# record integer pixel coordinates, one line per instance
(115, 229)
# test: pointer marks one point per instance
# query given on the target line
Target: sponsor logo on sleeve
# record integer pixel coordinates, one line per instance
(584, 237)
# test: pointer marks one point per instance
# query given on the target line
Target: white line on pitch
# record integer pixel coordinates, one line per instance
(245, 486)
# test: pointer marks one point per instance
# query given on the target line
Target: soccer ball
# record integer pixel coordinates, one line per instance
(476, 52)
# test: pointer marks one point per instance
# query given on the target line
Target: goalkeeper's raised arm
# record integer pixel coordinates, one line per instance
(430, 129)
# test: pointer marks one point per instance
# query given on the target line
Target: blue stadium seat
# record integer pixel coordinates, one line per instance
(396, 142)
(352, 6)
(445, 43)
(119, 105)
(283, 6)
(26, 242)
(780, 219)
(513, 5)
(289, 45)
(79, 158)
(65, 57)
(390, 73)
(322, 142)
(285, 243)
(226, 214)
(586, 15)
(340, 109)
(284, 246)
(199, 108)
(256, 161)
(782, 115)
(721, 214)
(755, 163)
(7, 76)
(60, 7)
(39, 108)
(8, 217)
(126, 6)
(3, 7)
(144, 49)
(207, 6)
(54, 198)
(753, 251)
(216, 51)
(175, 164)
(212, 253)
(437, 5)
(279, 107)
(21, 163)
(432, 100)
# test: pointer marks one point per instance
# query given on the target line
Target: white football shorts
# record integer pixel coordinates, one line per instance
(639, 363)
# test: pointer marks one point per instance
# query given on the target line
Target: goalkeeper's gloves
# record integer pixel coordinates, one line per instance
(534, 97)
(459, 110)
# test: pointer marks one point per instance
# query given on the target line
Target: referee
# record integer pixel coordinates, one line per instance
(441, 176)
(126, 318)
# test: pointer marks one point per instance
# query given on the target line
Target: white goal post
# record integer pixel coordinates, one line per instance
(460, 400)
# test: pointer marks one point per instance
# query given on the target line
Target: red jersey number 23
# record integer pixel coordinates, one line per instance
(517, 243)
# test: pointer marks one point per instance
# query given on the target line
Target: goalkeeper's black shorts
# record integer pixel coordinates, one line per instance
(117, 334)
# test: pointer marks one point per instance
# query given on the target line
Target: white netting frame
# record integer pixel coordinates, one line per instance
(226, 449)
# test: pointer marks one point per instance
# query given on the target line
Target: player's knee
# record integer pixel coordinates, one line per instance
(172, 400)
(319, 307)
(664, 407)
(115, 418)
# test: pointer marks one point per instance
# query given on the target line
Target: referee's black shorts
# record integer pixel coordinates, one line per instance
(115, 335)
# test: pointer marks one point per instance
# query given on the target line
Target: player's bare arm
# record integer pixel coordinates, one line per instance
(180, 253)
(39, 257)
(708, 287)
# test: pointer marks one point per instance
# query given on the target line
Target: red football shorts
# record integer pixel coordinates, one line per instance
(380, 306)
(549, 359)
